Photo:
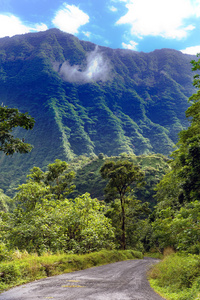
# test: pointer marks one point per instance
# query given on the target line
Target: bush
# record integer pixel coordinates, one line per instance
(9, 273)
(4, 252)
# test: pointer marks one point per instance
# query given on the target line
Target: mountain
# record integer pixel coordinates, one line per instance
(88, 99)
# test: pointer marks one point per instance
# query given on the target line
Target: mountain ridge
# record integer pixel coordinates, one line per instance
(89, 99)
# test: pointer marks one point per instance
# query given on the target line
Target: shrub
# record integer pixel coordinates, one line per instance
(177, 276)
(4, 252)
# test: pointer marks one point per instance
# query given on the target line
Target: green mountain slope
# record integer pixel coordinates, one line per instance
(88, 99)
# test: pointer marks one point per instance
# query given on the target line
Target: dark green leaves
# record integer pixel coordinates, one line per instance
(122, 175)
(10, 118)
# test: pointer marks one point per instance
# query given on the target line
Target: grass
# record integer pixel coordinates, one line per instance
(25, 268)
(156, 255)
(177, 277)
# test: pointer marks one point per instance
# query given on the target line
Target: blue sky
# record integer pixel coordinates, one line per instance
(140, 25)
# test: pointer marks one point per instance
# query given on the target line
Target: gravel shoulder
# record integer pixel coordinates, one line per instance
(118, 281)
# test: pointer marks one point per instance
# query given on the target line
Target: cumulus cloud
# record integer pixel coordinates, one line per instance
(131, 46)
(11, 25)
(70, 18)
(97, 69)
(165, 18)
(191, 50)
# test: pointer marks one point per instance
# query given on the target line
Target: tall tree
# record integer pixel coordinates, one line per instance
(122, 175)
(10, 118)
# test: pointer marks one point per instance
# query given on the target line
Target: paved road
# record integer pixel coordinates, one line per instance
(118, 281)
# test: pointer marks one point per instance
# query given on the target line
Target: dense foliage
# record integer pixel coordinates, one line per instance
(10, 118)
(5, 202)
(47, 217)
(45, 220)
(77, 226)
(48, 213)
(177, 215)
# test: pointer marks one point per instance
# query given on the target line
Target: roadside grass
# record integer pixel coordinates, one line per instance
(177, 277)
(156, 255)
(26, 267)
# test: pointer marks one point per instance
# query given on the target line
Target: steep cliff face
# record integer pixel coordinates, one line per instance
(89, 99)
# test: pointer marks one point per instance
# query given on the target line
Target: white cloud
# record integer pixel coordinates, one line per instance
(191, 50)
(131, 46)
(97, 68)
(164, 18)
(197, 7)
(11, 25)
(113, 8)
(40, 27)
(87, 33)
(70, 18)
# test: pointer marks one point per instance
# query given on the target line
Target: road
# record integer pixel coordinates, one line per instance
(118, 281)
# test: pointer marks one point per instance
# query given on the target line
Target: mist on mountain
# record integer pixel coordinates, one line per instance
(96, 68)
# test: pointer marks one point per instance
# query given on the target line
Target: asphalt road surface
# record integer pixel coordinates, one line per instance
(118, 281)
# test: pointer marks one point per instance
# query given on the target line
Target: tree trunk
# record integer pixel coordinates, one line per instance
(123, 226)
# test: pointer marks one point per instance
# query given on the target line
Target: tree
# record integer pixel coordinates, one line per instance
(59, 179)
(10, 118)
(55, 183)
(136, 213)
(122, 175)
